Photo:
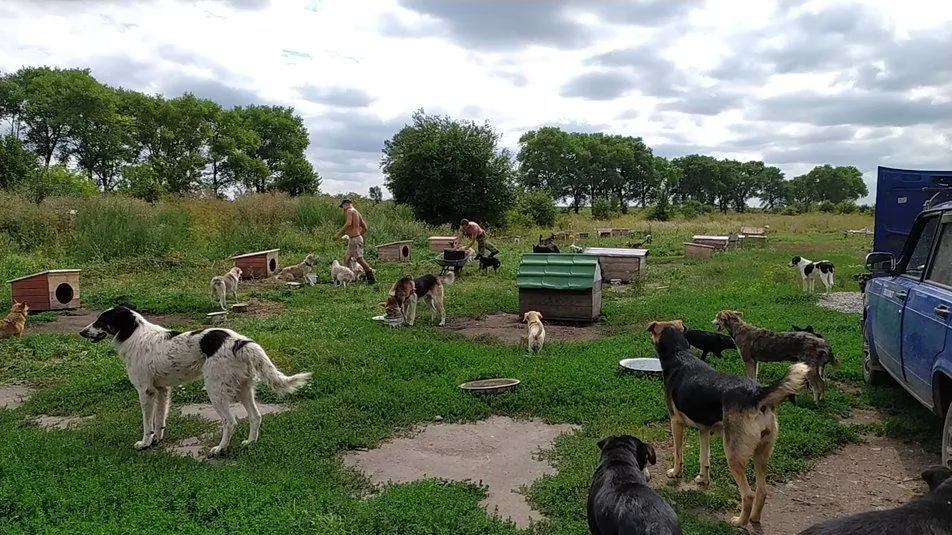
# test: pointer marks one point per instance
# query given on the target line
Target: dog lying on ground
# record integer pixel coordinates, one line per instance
(15, 322)
(224, 284)
(709, 342)
(811, 271)
(619, 499)
(546, 246)
(757, 345)
(486, 262)
(297, 271)
(711, 401)
(930, 514)
(535, 331)
(158, 359)
(341, 275)
(405, 293)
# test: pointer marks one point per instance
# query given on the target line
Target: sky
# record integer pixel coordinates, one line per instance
(795, 84)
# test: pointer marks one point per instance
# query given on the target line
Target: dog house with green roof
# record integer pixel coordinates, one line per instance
(562, 287)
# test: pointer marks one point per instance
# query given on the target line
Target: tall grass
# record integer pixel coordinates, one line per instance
(111, 227)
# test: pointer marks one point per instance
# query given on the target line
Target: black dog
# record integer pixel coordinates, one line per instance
(928, 515)
(546, 246)
(486, 262)
(709, 342)
(620, 500)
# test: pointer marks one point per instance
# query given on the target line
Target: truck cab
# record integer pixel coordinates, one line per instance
(907, 330)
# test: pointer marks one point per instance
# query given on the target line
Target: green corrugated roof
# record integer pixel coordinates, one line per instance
(555, 271)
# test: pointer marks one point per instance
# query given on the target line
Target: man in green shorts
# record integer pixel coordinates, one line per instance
(478, 236)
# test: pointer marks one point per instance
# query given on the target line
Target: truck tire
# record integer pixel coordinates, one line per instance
(947, 439)
(873, 374)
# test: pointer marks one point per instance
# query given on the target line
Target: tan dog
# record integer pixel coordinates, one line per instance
(15, 322)
(341, 274)
(297, 271)
(225, 284)
(535, 335)
(739, 408)
(401, 300)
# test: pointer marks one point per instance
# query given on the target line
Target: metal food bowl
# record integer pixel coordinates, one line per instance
(239, 307)
(643, 365)
(490, 386)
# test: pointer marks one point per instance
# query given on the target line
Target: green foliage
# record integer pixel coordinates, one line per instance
(538, 207)
(17, 164)
(661, 211)
(376, 195)
(447, 170)
(56, 181)
(109, 228)
(826, 207)
(846, 207)
(828, 183)
(603, 208)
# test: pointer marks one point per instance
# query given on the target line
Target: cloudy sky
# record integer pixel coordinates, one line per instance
(793, 83)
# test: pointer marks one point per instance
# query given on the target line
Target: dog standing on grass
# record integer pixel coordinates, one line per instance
(619, 499)
(535, 331)
(158, 359)
(811, 271)
(742, 410)
(406, 292)
(757, 345)
(15, 322)
(297, 271)
(341, 275)
(225, 284)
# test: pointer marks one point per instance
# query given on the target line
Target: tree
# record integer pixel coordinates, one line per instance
(101, 139)
(446, 170)
(376, 195)
(283, 142)
(774, 190)
(547, 162)
(828, 183)
(17, 164)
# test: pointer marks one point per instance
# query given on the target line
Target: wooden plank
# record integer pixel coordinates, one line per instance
(39, 284)
(31, 293)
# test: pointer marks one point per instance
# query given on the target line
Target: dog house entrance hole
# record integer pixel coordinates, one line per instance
(405, 252)
(64, 293)
(272, 264)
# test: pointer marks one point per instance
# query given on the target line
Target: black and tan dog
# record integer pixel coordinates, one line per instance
(757, 345)
(619, 499)
(928, 515)
(738, 407)
(405, 293)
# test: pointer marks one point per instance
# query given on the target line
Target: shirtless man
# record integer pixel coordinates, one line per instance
(477, 235)
(355, 228)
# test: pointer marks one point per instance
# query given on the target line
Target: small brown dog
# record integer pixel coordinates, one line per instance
(535, 335)
(402, 295)
(15, 322)
(757, 345)
(297, 271)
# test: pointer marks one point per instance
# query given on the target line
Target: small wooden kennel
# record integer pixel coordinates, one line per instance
(56, 289)
(398, 251)
(260, 265)
(620, 262)
(698, 250)
(438, 243)
(562, 287)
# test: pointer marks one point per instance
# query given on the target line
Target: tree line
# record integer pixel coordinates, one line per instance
(447, 169)
(67, 133)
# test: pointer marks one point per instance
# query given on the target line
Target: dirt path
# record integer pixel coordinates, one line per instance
(507, 328)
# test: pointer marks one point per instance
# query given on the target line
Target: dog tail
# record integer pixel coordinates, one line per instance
(792, 382)
(269, 373)
(448, 279)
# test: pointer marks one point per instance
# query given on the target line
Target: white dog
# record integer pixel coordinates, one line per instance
(535, 335)
(341, 274)
(811, 271)
(158, 359)
(225, 284)
(357, 269)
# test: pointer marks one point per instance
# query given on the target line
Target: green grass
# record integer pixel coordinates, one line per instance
(370, 382)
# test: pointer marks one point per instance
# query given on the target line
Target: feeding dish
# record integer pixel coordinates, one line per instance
(490, 386)
(239, 307)
(293, 285)
(649, 365)
(216, 317)
(311, 278)
(392, 321)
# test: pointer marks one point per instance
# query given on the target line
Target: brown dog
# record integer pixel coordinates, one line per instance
(401, 293)
(297, 271)
(15, 322)
(762, 345)
(407, 292)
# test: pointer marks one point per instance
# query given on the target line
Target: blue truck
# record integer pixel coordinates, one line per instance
(907, 294)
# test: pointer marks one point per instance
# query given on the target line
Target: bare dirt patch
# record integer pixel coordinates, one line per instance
(507, 328)
(206, 412)
(197, 447)
(74, 321)
(842, 301)
(499, 451)
(59, 422)
(12, 396)
(260, 308)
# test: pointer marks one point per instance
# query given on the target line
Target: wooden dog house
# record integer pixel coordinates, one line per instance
(620, 262)
(718, 242)
(56, 289)
(399, 251)
(438, 243)
(562, 287)
(260, 265)
(698, 250)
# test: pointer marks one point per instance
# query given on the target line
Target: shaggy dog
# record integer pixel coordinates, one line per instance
(619, 499)
(486, 262)
(15, 322)
(406, 292)
(739, 407)
(225, 284)
(357, 269)
(535, 331)
(546, 246)
(927, 515)
(158, 359)
(762, 345)
(341, 274)
(297, 271)
(811, 271)
(709, 342)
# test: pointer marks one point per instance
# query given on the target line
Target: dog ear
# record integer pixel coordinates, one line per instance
(646, 454)
(651, 326)
(383, 304)
(601, 443)
(935, 476)
(809, 329)
(680, 325)
(540, 315)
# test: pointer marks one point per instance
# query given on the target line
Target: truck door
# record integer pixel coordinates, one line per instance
(888, 297)
(925, 322)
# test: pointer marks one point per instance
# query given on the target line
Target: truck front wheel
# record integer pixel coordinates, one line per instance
(873, 373)
(947, 439)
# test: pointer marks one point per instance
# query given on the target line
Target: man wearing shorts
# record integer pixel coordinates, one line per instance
(355, 228)
(478, 235)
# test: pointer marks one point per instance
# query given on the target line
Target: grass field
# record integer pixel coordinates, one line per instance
(370, 382)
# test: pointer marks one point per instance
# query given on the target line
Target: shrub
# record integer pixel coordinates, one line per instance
(603, 208)
(660, 211)
(846, 207)
(827, 207)
(27, 225)
(691, 209)
(114, 227)
(539, 207)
